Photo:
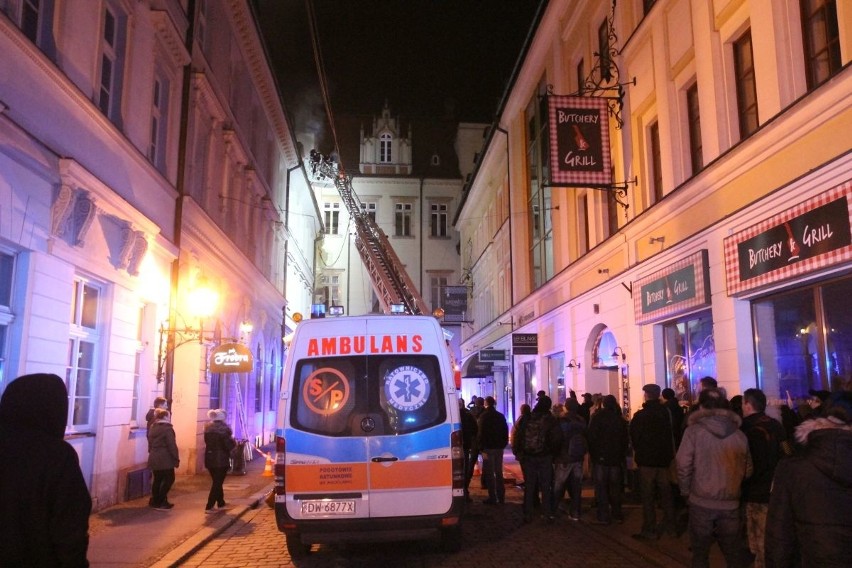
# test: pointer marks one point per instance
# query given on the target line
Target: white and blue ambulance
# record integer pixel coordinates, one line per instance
(368, 436)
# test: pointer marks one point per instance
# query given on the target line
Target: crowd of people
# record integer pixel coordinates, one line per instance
(767, 491)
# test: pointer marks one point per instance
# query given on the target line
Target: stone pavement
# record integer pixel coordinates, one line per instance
(133, 534)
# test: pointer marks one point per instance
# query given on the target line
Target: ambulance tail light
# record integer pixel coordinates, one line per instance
(457, 451)
(278, 468)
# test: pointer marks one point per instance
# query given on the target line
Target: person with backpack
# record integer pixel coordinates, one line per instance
(568, 463)
(537, 440)
(608, 441)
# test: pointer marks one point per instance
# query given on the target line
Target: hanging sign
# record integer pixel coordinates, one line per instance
(525, 343)
(231, 358)
(454, 303)
(579, 141)
(814, 234)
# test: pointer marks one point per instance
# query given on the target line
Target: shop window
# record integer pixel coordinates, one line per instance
(690, 353)
(804, 341)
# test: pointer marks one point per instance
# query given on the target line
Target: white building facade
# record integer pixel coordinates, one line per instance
(114, 214)
(732, 257)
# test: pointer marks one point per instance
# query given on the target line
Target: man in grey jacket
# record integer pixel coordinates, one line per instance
(712, 462)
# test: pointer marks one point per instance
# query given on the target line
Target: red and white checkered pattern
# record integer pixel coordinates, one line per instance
(702, 289)
(732, 265)
(579, 178)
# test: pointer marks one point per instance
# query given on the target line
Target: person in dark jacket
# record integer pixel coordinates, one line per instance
(766, 443)
(568, 463)
(493, 437)
(44, 502)
(159, 402)
(809, 522)
(218, 443)
(163, 458)
(608, 441)
(469, 430)
(537, 440)
(652, 435)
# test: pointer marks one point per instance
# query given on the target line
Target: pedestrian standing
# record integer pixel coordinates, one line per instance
(163, 458)
(712, 462)
(608, 442)
(469, 433)
(218, 443)
(44, 501)
(652, 436)
(568, 463)
(537, 441)
(493, 434)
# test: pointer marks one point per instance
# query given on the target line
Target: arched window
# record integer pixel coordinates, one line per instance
(602, 355)
(385, 148)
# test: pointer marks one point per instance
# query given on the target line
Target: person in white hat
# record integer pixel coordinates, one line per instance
(219, 441)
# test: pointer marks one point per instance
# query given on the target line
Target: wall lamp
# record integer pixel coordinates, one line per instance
(660, 240)
(572, 364)
(617, 350)
(603, 270)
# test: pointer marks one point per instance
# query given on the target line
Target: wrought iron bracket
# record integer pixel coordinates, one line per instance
(618, 192)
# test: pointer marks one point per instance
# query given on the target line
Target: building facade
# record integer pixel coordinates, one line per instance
(407, 176)
(145, 158)
(721, 246)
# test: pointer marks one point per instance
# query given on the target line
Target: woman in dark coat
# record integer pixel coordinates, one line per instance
(809, 522)
(219, 441)
(163, 458)
(44, 501)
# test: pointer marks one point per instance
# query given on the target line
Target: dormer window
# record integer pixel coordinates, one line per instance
(385, 148)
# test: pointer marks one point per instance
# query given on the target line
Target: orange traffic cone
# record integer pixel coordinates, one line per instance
(267, 469)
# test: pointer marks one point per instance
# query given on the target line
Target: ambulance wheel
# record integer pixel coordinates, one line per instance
(296, 547)
(451, 539)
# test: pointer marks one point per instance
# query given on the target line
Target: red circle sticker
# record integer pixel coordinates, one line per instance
(326, 391)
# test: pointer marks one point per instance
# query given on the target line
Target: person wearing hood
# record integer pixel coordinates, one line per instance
(218, 443)
(809, 522)
(712, 462)
(44, 502)
(163, 458)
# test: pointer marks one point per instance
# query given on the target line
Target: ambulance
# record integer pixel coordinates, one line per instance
(368, 434)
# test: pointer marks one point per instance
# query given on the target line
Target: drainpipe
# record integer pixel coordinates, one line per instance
(422, 235)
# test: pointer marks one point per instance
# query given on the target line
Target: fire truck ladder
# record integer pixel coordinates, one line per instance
(387, 273)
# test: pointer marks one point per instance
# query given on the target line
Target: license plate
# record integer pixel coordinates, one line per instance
(328, 507)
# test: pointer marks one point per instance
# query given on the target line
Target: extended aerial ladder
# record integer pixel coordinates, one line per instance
(390, 280)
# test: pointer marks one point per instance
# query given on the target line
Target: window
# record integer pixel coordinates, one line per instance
(583, 233)
(539, 195)
(201, 34)
(656, 160)
(746, 86)
(331, 211)
(438, 220)
(112, 64)
(35, 20)
(417, 403)
(822, 40)
(581, 76)
(369, 209)
(402, 219)
(137, 367)
(693, 121)
(385, 141)
(611, 213)
(648, 4)
(330, 284)
(159, 105)
(216, 390)
(437, 285)
(603, 51)
(802, 340)
(690, 352)
(273, 370)
(7, 274)
(258, 380)
(80, 374)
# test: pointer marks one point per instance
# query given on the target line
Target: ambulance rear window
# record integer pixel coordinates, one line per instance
(368, 395)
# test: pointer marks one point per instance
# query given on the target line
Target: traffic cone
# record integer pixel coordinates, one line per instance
(267, 469)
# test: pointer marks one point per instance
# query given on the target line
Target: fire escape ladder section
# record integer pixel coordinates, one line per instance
(390, 280)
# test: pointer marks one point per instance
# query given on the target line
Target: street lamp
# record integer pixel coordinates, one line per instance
(201, 303)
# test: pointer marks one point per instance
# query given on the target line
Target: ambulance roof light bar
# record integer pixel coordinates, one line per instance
(397, 308)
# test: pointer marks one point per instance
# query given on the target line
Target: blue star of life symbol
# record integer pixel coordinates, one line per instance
(407, 388)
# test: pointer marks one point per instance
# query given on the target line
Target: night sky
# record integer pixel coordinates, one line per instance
(422, 56)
